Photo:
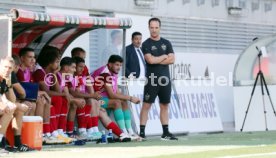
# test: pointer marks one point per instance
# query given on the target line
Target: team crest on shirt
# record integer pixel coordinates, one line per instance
(147, 96)
(153, 48)
(164, 47)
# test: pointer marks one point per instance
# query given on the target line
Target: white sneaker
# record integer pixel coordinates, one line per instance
(135, 137)
(3, 152)
(65, 139)
(64, 135)
(83, 135)
(94, 136)
(130, 131)
(52, 140)
(125, 137)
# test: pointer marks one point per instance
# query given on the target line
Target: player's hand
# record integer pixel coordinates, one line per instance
(97, 96)
(68, 97)
(45, 95)
(80, 103)
(23, 107)
(30, 105)
(7, 110)
(102, 110)
(10, 108)
(41, 100)
(135, 100)
(11, 105)
(8, 81)
(2, 108)
(48, 98)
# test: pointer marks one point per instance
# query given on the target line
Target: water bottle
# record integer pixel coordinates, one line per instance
(104, 138)
(75, 131)
(110, 134)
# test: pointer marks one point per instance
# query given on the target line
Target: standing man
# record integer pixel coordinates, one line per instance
(159, 54)
(135, 62)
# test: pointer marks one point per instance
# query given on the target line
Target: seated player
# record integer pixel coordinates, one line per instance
(87, 123)
(101, 113)
(6, 107)
(44, 75)
(109, 124)
(43, 102)
(65, 78)
(20, 90)
(93, 131)
(21, 109)
(105, 79)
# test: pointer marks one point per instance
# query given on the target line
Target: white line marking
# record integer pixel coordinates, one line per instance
(250, 155)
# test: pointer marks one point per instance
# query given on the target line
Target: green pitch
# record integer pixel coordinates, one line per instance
(224, 145)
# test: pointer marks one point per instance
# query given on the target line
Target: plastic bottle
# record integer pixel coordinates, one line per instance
(104, 138)
(110, 134)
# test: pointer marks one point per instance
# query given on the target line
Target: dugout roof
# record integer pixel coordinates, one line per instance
(35, 29)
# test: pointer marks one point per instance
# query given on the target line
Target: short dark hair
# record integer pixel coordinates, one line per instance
(66, 61)
(16, 59)
(115, 58)
(48, 55)
(135, 34)
(76, 50)
(73, 61)
(155, 19)
(24, 51)
(78, 60)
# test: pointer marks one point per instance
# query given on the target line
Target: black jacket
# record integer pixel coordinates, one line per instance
(132, 61)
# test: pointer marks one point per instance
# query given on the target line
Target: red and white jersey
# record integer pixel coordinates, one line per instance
(80, 83)
(65, 80)
(39, 75)
(24, 75)
(85, 71)
(103, 76)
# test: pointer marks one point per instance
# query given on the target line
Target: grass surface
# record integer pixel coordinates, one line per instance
(223, 145)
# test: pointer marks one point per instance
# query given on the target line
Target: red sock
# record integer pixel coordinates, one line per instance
(70, 126)
(57, 103)
(53, 119)
(63, 115)
(115, 129)
(81, 117)
(88, 116)
(46, 128)
(95, 121)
